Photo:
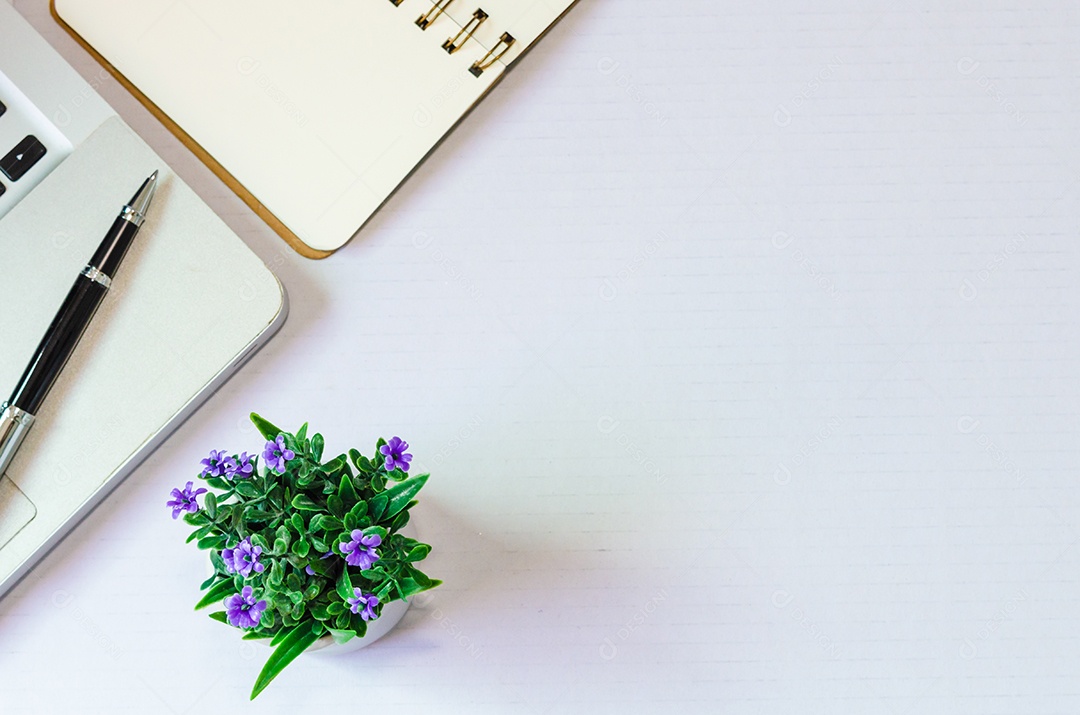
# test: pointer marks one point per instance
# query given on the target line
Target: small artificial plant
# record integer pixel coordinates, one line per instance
(303, 549)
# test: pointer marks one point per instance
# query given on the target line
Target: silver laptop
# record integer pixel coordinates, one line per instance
(60, 143)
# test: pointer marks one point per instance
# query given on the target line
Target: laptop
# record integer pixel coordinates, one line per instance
(188, 307)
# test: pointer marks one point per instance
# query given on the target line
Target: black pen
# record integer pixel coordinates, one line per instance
(17, 414)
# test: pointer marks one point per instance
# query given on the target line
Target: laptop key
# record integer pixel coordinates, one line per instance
(19, 160)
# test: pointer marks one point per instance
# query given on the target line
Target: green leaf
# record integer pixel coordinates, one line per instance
(218, 562)
(336, 466)
(320, 545)
(378, 506)
(245, 488)
(317, 444)
(208, 582)
(360, 509)
(344, 585)
(330, 523)
(305, 503)
(345, 490)
(215, 541)
(376, 573)
(199, 533)
(292, 645)
(220, 616)
(361, 462)
(283, 534)
(237, 520)
(296, 521)
(277, 573)
(197, 519)
(324, 568)
(341, 620)
(376, 531)
(341, 637)
(335, 608)
(301, 434)
(218, 483)
(301, 548)
(210, 504)
(378, 483)
(254, 636)
(267, 430)
(383, 592)
(409, 586)
(335, 505)
(418, 553)
(401, 494)
(217, 593)
(401, 519)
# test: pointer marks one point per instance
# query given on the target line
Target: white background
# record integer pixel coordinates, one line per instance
(741, 346)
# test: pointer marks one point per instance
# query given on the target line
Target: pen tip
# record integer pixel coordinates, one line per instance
(153, 177)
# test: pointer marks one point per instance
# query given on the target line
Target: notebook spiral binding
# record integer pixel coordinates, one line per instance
(455, 43)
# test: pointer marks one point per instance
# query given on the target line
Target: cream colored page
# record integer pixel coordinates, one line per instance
(189, 297)
(318, 109)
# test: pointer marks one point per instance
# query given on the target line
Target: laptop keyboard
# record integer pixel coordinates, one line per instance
(30, 145)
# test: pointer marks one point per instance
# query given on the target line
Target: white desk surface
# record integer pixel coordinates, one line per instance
(741, 345)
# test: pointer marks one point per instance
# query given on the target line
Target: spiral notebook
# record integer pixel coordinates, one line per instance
(312, 112)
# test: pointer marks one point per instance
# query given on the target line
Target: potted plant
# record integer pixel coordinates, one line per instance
(302, 549)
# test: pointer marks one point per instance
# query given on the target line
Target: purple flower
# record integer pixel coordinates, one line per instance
(238, 467)
(396, 457)
(361, 550)
(243, 558)
(184, 500)
(275, 455)
(242, 610)
(367, 603)
(213, 466)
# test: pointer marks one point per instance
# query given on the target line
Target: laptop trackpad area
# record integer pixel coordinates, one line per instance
(16, 510)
